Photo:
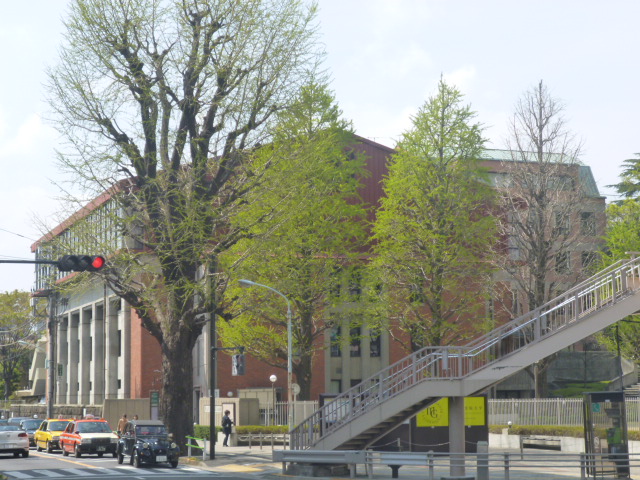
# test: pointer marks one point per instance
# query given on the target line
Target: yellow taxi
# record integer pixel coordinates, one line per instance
(47, 437)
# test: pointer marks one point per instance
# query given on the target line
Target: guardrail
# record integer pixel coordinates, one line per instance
(483, 465)
(331, 457)
(202, 447)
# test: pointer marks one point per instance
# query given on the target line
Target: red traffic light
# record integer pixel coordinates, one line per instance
(81, 263)
(97, 263)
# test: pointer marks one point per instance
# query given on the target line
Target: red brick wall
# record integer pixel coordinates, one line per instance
(146, 360)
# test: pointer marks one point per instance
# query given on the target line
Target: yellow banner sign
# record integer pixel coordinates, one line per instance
(437, 415)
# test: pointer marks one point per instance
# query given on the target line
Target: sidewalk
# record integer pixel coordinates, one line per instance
(245, 461)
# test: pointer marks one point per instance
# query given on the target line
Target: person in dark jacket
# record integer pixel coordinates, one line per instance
(226, 427)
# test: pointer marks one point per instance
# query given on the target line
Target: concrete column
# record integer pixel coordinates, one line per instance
(98, 354)
(86, 352)
(63, 359)
(126, 351)
(456, 436)
(74, 358)
(112, 347)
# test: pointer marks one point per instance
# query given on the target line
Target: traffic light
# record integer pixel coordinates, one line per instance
(237, 365)
(81, 263)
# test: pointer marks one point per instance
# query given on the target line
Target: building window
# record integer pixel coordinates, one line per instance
(335, 342)
(119, 343)
(354, 382)
(563, 263)
(562, 226)
(588, 224)
(354, 347)
(374, 344)
(588, 259)
(335, 386)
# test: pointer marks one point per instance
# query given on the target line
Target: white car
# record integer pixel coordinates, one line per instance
(14, 440)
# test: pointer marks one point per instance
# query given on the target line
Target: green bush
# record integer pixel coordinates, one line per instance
(573, 390)
(202, 431)
(556, 431)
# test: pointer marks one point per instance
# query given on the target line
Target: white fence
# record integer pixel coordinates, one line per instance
(551, 411)
(547, 411)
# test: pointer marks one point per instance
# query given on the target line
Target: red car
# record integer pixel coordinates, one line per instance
(88, 436)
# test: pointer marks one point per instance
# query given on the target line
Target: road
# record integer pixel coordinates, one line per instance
(40, 465)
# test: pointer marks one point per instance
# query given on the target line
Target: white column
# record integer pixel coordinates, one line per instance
(98, 354)
(112, 347)
(74, 356)
(85, 355)
(63, 359)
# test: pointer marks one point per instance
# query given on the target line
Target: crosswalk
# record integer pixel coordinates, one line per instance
(124, 471)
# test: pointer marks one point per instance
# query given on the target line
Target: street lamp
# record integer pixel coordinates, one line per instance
(273, 379)
(249, 283)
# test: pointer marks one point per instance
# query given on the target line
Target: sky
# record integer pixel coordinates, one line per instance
(385, 58)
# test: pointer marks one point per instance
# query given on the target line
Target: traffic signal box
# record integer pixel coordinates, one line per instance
(81, 263)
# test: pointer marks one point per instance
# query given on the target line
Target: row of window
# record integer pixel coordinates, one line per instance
(355, 343)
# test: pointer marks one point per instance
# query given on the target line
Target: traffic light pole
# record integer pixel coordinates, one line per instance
(51, 373)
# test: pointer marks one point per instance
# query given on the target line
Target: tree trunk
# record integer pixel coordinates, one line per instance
(177, 391)
(302, 376)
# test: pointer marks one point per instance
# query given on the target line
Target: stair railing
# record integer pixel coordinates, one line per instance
(455, 362)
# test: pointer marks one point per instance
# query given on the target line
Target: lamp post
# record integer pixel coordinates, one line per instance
(249, 283)
(273, 379)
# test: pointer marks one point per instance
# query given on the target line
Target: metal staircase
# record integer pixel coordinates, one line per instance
(358, 417)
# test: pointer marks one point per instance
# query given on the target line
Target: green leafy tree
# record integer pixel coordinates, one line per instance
(163, 104)
(433, 231)
(622, 236)
(311, 243)
(629, 186)
(17, 331)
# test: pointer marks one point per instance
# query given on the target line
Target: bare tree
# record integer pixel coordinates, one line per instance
(168, 100)
(543, 199)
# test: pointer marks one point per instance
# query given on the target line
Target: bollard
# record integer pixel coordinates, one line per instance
(483, 461)
(506, 466)
(430, 464)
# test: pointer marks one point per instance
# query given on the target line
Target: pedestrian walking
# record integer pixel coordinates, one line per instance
(226, 427)
(122, 424)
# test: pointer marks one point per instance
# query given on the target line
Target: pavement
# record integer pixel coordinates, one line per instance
(248, 462)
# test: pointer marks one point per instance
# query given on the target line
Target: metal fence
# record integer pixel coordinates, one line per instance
(551, 411)
(545, 411)
(280, 414)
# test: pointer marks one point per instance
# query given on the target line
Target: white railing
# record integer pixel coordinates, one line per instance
(552, 411)
(457, 362)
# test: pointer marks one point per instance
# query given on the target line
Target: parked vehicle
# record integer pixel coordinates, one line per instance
(17, 420)
(14, 440)
(147, 442)
(88, 436)
(47, 437)
(30, 425)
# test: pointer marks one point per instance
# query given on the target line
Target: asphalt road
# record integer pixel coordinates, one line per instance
(41, 465)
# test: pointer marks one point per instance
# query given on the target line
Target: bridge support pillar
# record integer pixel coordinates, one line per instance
(456, 436)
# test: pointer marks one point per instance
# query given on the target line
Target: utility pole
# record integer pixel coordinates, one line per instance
(53, 364)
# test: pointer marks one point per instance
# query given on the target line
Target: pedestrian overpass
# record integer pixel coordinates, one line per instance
(358, 417)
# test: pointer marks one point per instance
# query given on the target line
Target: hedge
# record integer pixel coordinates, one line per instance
(202, 431)
(556, 431)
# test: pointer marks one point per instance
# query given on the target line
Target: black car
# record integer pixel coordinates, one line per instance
(30, 425)
(147, 442)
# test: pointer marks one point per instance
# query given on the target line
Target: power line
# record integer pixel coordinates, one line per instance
(17, 234)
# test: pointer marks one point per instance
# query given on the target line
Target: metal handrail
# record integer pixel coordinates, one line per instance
(455, 362)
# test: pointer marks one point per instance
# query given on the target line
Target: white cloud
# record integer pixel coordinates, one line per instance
(462, 78)
(29, 136)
